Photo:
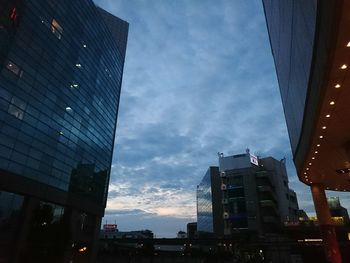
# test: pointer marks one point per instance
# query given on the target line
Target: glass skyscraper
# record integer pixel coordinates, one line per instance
(60, 80)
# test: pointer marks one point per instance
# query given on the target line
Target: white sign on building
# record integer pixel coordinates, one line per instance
(254, 159)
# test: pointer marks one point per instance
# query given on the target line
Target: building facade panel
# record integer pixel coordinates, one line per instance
(291, 26)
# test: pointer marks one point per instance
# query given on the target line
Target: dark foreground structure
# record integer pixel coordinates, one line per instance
(61, 68)
(303, 245)
(311, 49)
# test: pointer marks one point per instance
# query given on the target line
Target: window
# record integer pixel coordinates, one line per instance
(13, 110)
(16, 108)
(14, 68)
(56, 29)
(19, 103)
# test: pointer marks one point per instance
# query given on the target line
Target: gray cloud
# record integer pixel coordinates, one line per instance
(131, 212)
(199, 78)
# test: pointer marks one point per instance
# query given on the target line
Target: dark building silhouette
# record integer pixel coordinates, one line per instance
(61, 68)
(116, 234)
(310, 46)
(192, 230)
(337, 210)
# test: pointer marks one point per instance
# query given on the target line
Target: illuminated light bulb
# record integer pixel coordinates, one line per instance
(332, 103)
(327, 116)
(344, 66)
(337, 86)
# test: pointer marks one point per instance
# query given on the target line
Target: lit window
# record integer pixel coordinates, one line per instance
(56, 29)
(14, 68)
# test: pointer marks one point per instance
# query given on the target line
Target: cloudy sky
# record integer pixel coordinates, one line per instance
(199, 78)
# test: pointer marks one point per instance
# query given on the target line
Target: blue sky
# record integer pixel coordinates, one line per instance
(199, 78)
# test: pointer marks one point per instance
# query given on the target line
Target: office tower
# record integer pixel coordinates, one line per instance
(61, 73)
(256, 195)
(250, 194)
(310, 46)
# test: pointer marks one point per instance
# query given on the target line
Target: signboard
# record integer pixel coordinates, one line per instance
(110, 227)
(254, 159)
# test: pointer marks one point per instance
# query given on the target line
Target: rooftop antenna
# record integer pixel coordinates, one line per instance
(220, 155)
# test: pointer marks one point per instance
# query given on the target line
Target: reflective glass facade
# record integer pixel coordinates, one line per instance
(291, 26)
(204, 205)
(60, 80)
(209, 204)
